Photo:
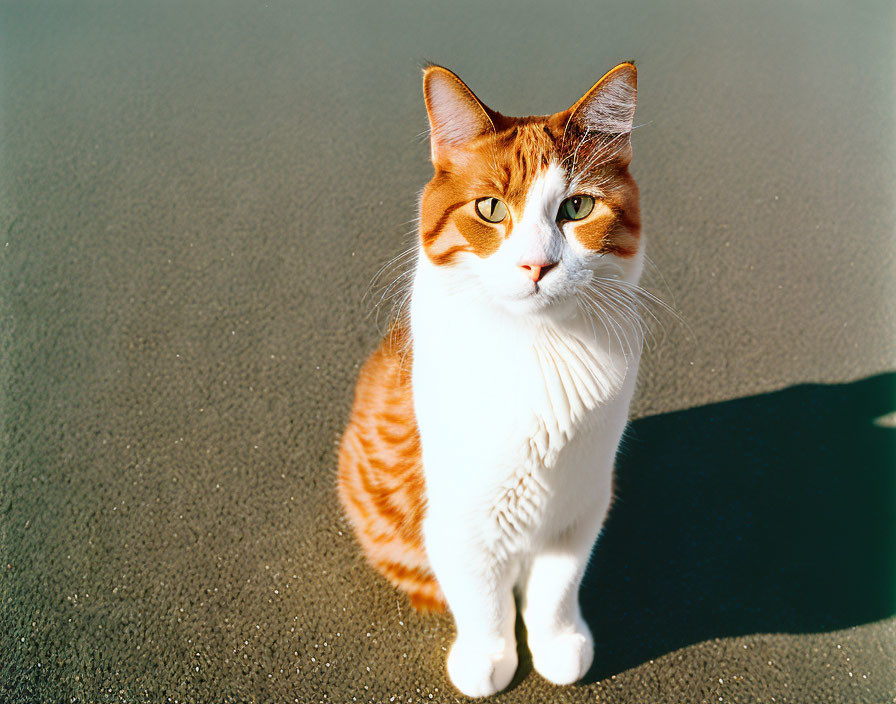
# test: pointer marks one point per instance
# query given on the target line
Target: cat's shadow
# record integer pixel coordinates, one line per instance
(772, 513)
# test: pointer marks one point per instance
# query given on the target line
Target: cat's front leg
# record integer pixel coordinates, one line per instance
(559, 639)
(479, 592)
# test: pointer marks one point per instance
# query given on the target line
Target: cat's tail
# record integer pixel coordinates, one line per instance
(382, 516)
(381, 484)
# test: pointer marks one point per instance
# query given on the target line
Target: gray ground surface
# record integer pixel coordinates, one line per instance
(194, 199)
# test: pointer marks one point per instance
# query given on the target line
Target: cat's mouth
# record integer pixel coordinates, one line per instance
(540, 299)
(536, 291)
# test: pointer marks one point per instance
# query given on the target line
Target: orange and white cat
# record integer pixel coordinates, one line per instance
(479, 455)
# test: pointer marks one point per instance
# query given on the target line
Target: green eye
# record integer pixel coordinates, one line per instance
(491, 209)
(575, 208)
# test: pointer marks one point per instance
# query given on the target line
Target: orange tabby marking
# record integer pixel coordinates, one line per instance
(381, 482)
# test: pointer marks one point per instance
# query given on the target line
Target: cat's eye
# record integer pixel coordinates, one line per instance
(491, 209)
(575, 208)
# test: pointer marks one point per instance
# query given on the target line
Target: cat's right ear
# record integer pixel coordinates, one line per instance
(456, 115)
(609, 107)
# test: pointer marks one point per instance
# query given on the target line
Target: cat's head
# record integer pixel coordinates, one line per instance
(525, 212)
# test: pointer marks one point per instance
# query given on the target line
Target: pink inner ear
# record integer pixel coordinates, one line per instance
(456, 115)
(454, 121)
(610, 105)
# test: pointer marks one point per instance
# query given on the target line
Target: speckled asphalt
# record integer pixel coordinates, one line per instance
(194, 198)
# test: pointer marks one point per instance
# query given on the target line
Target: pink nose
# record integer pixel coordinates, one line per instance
(536, 272)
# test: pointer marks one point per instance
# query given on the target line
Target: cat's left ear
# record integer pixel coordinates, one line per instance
(456, 115)
(609, 107)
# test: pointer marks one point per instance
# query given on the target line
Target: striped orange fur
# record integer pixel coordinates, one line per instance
(380, 480)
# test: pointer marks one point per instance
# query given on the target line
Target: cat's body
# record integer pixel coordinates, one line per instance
(479, 456)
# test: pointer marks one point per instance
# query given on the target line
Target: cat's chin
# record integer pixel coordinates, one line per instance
(541, 305)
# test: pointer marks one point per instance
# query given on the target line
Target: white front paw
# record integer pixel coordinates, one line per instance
(563, 658)
(479, 669)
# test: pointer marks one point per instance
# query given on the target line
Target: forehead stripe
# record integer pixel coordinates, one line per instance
(436, 229)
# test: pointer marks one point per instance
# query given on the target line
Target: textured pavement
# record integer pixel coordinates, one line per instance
(194, 201)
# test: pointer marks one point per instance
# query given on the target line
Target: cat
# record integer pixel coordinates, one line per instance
(478, 458)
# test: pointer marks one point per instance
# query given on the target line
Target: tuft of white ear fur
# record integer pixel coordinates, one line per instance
(609, 106)
(455, 114)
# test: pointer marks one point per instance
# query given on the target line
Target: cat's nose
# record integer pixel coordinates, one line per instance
(536, 272)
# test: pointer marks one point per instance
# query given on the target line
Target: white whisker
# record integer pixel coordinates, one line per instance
(607, 318)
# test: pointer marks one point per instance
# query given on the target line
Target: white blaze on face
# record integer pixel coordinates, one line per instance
(536, 236)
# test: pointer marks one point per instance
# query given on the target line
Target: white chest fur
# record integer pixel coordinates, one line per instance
(519, 420)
